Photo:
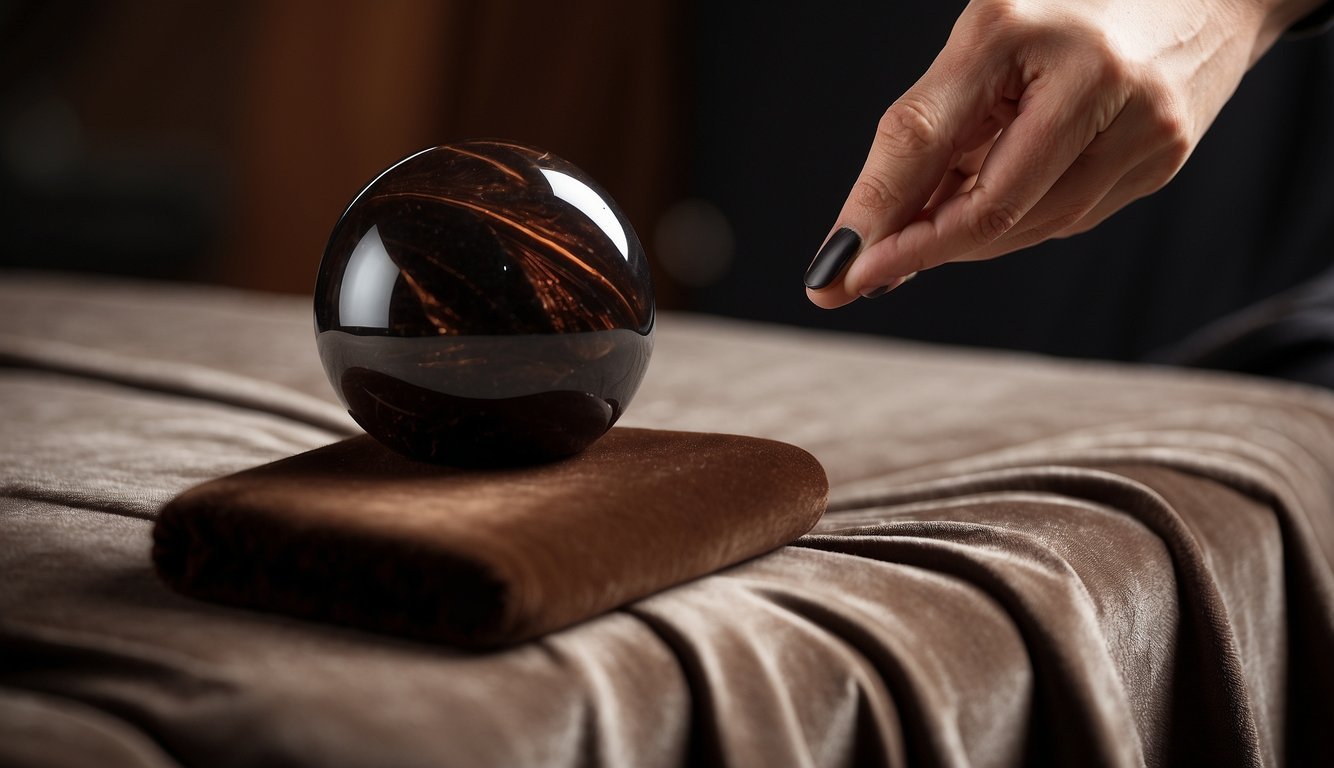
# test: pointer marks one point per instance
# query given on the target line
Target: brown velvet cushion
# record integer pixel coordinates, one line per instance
(356, 534)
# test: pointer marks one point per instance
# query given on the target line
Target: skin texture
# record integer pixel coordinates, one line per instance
(1039, 119)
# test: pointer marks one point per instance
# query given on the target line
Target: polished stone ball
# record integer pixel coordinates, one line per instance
(484, 304)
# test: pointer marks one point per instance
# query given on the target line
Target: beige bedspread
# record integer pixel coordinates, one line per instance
(1025, 562)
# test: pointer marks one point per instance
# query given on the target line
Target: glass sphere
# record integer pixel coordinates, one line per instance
(484, 303)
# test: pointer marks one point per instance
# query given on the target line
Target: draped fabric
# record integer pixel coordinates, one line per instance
(1024, 562)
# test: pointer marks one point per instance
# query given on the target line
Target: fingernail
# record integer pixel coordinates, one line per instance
(836, 254)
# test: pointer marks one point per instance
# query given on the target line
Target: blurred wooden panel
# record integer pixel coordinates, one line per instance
(337, 93)
(302, 101)
(332, 93)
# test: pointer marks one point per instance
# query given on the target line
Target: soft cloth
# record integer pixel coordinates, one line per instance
(357, 534)
(1025, 562)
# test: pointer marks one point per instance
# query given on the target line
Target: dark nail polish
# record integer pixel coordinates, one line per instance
(877, 293)
(836, 255)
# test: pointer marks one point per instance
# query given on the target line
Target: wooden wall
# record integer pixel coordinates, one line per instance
(300, 102)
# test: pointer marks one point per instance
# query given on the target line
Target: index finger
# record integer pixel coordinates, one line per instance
(915, 142)
(1037, 150)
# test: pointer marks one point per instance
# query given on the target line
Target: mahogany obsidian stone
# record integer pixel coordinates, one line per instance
(484, 303)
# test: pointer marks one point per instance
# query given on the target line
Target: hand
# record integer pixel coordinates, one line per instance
(1039, 119)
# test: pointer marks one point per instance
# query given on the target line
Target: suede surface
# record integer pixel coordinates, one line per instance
(1024, 562)
(357, 534)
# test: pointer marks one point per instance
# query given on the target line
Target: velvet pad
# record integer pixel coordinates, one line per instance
(356, 534)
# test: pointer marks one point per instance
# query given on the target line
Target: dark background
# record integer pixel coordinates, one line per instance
(219, 142)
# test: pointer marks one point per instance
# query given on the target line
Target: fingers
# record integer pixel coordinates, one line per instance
(914, 145)
(1095, 181)
(1066, 210)
(946, 113)
(1023, 167)
(1094, 122)
(1096, 186)
(961, 176)
(1142, 181)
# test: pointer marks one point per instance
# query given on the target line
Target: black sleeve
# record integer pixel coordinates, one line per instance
(1313, 23)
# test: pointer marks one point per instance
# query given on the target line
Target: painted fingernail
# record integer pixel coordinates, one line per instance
(836, 254)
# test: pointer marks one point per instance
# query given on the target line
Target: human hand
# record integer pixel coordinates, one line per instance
(1039, 119)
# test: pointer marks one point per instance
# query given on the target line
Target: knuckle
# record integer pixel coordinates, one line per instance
(908, 127)
(1176, 141)
(1178, 151)
(993, 219)
(874, 193)
(1168, 126)
(1026, 23)
(1108, 67)
(1169, 132)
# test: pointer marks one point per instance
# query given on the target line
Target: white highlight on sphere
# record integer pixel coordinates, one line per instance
(368, 283)
(591, 204)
